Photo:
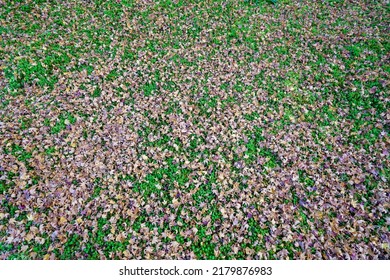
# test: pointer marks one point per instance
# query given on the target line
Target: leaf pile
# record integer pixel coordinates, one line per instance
(194, 129)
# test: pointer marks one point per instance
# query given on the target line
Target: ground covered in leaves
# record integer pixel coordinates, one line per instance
(194, 129)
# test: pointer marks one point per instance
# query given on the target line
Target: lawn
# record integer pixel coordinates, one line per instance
(194, 129)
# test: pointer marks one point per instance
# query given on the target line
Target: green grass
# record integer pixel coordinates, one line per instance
(284, 98)
(61, 123)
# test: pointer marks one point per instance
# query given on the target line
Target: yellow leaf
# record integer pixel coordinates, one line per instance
(62, 221)
(175, 203)
(29, 236)
(144, 157)
(127, 254)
